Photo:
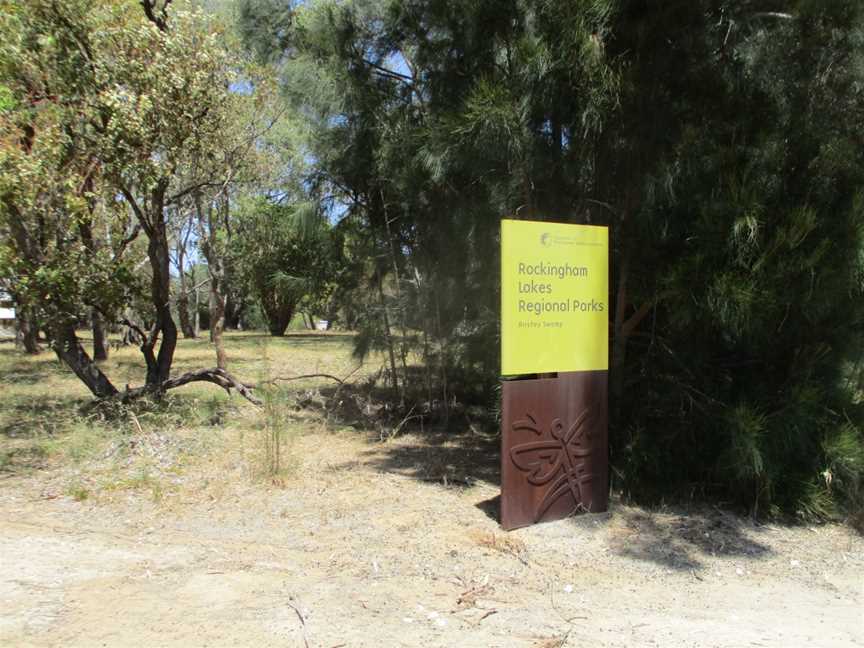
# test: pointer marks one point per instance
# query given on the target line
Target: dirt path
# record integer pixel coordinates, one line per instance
(361, 550)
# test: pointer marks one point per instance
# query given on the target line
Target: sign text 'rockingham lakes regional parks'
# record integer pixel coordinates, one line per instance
(554, 297)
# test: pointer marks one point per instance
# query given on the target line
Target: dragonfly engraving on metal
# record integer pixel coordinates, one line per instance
(559, 461)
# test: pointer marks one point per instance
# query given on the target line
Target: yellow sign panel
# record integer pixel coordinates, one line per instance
(554, 297)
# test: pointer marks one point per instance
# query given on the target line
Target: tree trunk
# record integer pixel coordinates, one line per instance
(27, 335)
(442, 360)
(100, 349)
(209, 229)
(69, 350)
(234, 308)
(100, 344)
(217, 318)
(622, 300)
(278, 316)
(159, 368)
(183, 296)
(183, 313)
(394, 379)
(197, 324)
(397, 282)
(427, 327)
(195, 320)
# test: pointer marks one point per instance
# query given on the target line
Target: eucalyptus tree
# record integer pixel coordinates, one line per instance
(242, 162)
(51, 182)
(111, 106)
(163, 117)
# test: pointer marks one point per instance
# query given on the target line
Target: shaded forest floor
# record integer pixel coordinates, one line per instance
(171, 528)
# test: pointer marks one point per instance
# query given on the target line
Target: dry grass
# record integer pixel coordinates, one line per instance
(47, 422)
(501, 542)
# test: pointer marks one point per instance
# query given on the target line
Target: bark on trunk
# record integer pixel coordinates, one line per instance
(197, 324)
(153, 222)
(403, 351)
(394, 378)
(100, 344)
(622, 300)
(159, 368)
(183, 297)
(69, 350)
(442, 359)
(27, 335)
(619, 342)
(85, 226)
(233, 309)
(278, 317)
(217, 320)
(209, 225)
(183, 313)
(195, 317)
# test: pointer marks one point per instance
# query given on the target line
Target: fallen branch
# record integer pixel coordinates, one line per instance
(398, 428)
(134, 327)
(273, 381)
(217, 376)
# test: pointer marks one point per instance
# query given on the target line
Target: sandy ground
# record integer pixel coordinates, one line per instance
(366, 545)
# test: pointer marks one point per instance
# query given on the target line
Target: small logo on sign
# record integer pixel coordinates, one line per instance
(546, 239)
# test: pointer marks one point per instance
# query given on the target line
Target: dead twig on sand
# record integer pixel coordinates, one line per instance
(302, 621)
(392, 434)
(487, 614)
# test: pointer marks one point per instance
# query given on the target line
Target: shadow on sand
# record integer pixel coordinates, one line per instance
(681, 540)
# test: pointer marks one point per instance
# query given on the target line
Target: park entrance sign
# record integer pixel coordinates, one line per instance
(555, 323)
(554, 292)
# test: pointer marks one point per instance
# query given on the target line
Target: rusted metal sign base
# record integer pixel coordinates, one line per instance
(554, 447)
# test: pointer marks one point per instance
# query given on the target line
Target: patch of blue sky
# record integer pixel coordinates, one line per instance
(397, 63)
(241, 87)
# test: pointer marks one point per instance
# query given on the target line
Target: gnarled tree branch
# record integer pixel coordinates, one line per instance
(160, 20)
(217, 376)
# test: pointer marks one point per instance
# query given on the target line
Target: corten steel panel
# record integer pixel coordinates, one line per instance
(554, 447)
